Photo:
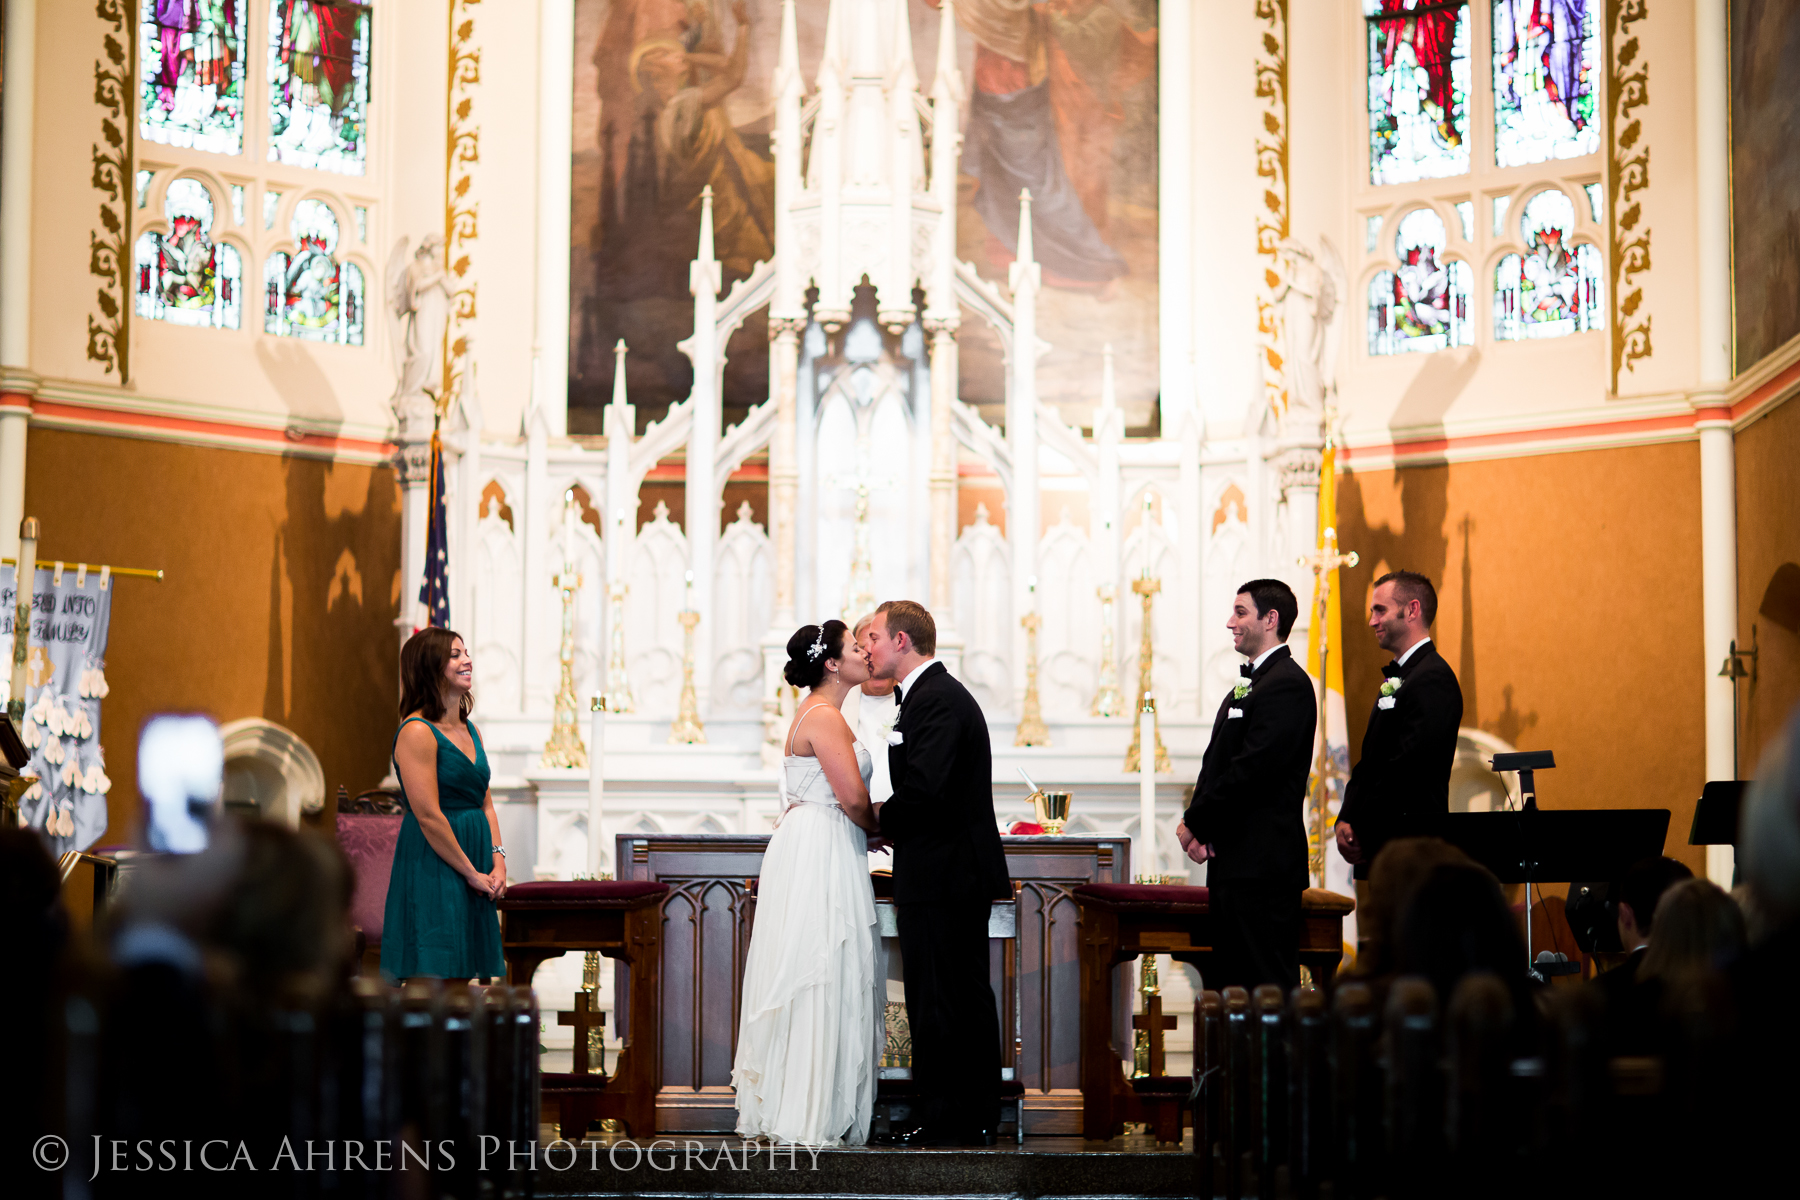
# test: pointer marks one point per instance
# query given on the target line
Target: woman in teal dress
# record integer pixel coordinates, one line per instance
(449, 865)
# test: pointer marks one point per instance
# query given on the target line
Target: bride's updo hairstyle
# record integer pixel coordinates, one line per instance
(809, 649)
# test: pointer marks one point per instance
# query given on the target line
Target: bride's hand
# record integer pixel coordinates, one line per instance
(878, 844)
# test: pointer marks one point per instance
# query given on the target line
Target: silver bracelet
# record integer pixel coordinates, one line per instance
(500, 850)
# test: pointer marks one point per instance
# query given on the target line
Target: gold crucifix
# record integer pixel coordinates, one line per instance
(1325, 769)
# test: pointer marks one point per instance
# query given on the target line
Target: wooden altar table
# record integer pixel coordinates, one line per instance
(707, 916)
(1121, 922)
(621, 920)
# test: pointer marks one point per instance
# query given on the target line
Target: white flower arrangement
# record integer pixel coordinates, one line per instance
(1391, 684)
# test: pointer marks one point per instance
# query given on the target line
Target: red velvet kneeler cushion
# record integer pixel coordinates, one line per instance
(1143, 897)
(582, 893)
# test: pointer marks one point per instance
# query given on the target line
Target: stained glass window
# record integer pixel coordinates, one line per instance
(319, 84)
(309, 294)
(1546, 71)
(1418, 89)
(1423, 305)
(1371, 234)
(191, 56)
(272, 205)
(1555, 287)
(183, 275)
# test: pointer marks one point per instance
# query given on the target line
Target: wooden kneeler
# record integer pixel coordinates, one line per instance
(622, 920)
(1119, 922)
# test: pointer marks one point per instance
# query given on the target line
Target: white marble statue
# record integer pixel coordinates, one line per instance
(418, 310)
(1313, 301)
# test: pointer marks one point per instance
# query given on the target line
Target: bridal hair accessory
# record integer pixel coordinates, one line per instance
(818, 647)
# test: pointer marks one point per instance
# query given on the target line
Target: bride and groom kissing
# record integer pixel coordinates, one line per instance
(812, 1028)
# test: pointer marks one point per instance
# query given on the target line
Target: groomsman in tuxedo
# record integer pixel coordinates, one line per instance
(1400, 787)
(1247, 819)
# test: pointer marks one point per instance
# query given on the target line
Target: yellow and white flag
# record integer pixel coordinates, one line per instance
(1325, 662)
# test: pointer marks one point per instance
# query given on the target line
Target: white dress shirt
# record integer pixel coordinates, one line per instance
(1257, 662)
(911, 676)
(1411, 650)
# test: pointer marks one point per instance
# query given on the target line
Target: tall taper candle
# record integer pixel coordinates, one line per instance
(596, 788)
(25, 578)
(1147, 790)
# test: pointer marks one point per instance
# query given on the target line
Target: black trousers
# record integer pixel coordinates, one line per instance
(950, 1007)
(1256, 934)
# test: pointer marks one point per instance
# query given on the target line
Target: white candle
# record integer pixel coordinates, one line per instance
(570, 519)
(596, 788)
(1146, 528)
(687, 598)
(1147, 789)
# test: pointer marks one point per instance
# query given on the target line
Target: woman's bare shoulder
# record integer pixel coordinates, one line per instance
(416, 735)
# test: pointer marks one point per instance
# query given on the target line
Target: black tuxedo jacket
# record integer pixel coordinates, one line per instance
(1250, 801)
(941, 816)
(1400, 787)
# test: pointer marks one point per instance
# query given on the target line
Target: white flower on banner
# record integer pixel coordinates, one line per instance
(40, 712)
(95, 782)
(70, 773)
(80, 724)
(93, 684)
(53, 751)
(34, 792)
(32, 735)
(57, 721)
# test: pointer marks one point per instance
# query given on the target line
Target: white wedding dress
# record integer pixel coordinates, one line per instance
(812, 1026)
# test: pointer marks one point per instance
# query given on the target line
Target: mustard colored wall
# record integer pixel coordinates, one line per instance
(281, 590)
(1768, 515)
(1568, 604)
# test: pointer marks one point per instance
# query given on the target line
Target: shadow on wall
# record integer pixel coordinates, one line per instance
(1419, 541)
(334, 579)
(1776, 639)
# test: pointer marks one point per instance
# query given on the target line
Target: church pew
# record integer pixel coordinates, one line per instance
(1309, 1099)
(1208, 1100)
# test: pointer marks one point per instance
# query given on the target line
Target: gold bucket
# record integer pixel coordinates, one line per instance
(1052, 810)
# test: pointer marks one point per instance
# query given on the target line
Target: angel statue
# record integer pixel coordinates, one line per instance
(418, 309)
(1312, 309)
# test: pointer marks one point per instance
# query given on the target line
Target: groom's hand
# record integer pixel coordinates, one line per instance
(878, 844)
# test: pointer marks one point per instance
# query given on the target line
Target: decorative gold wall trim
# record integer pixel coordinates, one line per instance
(109, 253)
(462, 150)
(1627, 174)
(1272, 223)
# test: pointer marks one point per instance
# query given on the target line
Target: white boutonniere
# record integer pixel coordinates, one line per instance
(895, 738)
(1241, 690)
(1391, 684)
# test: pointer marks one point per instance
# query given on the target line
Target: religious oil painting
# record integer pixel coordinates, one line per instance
(1418, 81)
(191, 74)
(1765, 176)
(319, 84)
(675, 96)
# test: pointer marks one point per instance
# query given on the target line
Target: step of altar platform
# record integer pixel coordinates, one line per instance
(1130, 1166)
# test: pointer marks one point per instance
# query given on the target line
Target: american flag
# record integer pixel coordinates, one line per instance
(434, 588)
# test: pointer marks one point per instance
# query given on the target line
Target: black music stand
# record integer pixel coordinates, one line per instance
(1531, 844)
(1716, 814)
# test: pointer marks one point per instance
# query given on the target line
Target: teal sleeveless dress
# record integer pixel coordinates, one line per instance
(435, 924)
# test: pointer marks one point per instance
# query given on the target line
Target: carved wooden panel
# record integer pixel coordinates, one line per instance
(706, 934)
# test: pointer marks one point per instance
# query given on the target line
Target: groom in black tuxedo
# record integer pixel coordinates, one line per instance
(948, 869)
(1247, 818)
(1400, 787)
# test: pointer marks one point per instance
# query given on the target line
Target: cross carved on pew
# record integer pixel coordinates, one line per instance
(588, 1019)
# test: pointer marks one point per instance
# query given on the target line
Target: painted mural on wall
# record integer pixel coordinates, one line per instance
(672, 96)
(1765, 175)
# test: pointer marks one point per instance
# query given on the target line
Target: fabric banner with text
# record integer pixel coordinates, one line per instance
(65, 681)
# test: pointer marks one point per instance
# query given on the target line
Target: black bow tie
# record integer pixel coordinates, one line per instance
(1246, 669)
(1393, 670)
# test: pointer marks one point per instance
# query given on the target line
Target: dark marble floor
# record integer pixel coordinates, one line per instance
(1134, 1165)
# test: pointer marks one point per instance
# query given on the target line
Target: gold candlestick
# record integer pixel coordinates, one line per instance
(565, 747)
(687, 729)
(1107, 700)
(618, 683)
(1147, 588)
(1032, 731)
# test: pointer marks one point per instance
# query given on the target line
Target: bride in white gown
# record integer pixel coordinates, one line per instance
(811, 1030)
